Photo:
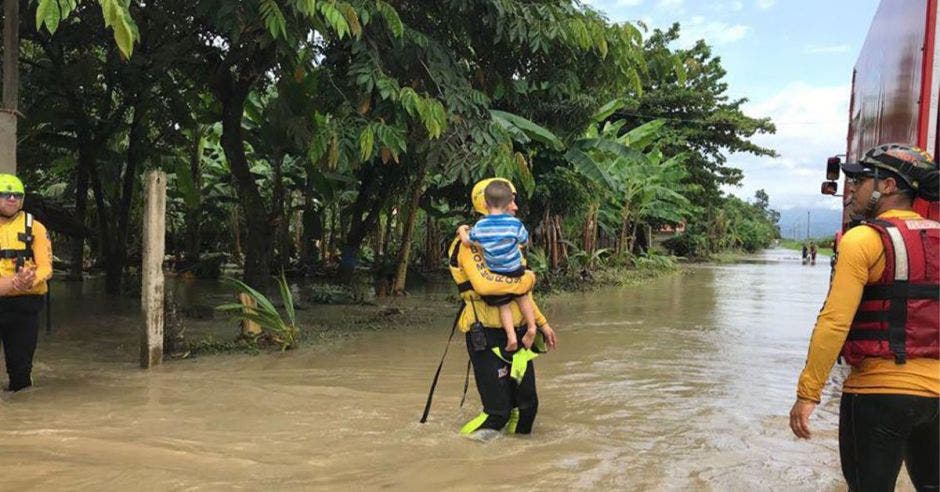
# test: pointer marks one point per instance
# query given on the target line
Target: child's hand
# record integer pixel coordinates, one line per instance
(512, 344)
(464, 228)
(528, 338)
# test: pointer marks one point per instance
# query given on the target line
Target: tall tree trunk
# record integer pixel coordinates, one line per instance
(622, 244)
(296, 222)
(279, 216)
(258, 233)
(377, 187)
(404, 252)
(237, 254)
(431, 242)
(104, 232)
(137, 136)
(560, 237)
(194, 223)
(387, 232)
(590, 231)
(632, 239)
(113, 238)
(334, 232)
(11, 84)
(312, 244)
(231, 82)
(551, 240)
(86, 159)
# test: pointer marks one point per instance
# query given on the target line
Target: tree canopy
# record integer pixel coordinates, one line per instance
(319, 136)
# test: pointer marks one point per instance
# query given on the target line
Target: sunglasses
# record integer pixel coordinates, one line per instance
(9, 195)
(859, 179)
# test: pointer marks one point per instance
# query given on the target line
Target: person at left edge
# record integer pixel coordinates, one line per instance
(26, 257)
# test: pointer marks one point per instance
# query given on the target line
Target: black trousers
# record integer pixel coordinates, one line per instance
(19, 330)
(878, 432)
(499, 392)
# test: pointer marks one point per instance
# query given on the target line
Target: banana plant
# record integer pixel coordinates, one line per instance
(641, 183)
(281, 330)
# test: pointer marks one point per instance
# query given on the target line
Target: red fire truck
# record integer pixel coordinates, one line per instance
(895, 88)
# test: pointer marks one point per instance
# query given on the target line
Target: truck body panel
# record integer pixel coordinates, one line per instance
(895, 82)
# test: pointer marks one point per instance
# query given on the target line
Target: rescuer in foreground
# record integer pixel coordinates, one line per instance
(882, 316)
(505, 382)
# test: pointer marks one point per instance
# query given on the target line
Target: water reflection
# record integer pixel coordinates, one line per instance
(682, 383)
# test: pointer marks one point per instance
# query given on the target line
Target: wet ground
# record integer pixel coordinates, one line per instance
(683, 383)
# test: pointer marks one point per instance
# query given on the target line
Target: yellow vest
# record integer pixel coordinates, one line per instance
(473, 280)
(14, 236)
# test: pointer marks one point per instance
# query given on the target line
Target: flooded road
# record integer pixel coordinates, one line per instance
(683, 383)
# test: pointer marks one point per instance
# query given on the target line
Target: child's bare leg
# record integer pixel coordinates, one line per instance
(505, 317)
(525, 305)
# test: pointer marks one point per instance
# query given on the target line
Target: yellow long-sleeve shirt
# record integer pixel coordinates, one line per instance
(861, 261)
(467, 267)
(42, 252)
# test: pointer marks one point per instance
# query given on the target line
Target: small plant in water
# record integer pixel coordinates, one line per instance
(281, 331)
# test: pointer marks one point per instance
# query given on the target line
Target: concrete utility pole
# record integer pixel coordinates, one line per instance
(151, 292)
(11, 82)
(807, 225)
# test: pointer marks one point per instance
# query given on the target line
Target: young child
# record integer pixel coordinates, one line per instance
(499, 235)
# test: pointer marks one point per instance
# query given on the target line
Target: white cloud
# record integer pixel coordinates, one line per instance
(721, 7)
(713, 32)
(669, 4)
(811, 126)
(834, 48)
(629, 3)
(765, 4)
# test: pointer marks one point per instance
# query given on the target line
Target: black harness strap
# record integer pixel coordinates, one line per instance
(869, 317)
(454, 255)
(21, 255)
(857, 334)
(437, 374)
(897, 321)
(12, 254)
(884, 292)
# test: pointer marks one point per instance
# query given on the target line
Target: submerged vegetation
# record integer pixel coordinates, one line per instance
(261, 319)
(334, 139)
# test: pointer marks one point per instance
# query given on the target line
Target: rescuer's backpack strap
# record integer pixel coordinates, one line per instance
(898, 291)
(27, 237)
(21, 255)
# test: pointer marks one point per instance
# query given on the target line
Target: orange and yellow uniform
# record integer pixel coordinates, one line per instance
(861, 261)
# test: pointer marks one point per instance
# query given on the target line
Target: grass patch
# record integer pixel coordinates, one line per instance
(642, 269)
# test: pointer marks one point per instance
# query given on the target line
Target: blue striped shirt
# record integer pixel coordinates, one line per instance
(500, 236)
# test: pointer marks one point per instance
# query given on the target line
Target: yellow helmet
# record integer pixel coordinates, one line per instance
(478, 197)
(11, 184)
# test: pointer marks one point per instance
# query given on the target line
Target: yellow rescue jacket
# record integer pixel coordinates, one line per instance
(473, 280)
(24, 242)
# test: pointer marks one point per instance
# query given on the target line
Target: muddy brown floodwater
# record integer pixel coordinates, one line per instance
(682, 383)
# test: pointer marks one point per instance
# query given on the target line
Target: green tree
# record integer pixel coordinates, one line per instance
(701, 119)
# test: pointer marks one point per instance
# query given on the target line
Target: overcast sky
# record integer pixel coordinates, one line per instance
(792, 59)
